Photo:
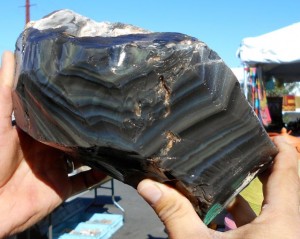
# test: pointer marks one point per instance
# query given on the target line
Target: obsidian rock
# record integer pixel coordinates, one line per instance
(139, 104)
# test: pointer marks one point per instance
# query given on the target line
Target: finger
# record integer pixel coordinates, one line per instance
(6, 81)
(241, 211)
(7, 69)
(299, 168)
(283, 182)
(6, 107)
(174, 210)
(82, 181)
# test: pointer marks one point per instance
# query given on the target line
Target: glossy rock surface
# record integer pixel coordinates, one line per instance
(139, 105)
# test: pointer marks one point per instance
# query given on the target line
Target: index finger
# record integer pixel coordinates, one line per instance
(281, 190)
(6, 82)
(7, 69)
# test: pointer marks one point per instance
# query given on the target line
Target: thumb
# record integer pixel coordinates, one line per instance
(174, 210)
(6, 82)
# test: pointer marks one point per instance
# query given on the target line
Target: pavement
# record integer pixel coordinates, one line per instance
(140, 221)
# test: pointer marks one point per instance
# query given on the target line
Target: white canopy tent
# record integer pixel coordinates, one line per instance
(277, 52)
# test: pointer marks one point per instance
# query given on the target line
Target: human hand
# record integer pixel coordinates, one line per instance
(33, 176)
(279, 217)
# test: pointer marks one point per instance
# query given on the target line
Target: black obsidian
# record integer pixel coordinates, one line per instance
(139, 104)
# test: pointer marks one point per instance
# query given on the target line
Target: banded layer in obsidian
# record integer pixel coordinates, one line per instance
(143, 105)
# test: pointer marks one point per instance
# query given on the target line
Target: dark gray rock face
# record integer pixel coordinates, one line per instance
(138, 104)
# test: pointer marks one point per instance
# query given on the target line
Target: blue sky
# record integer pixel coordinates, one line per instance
(220, 24)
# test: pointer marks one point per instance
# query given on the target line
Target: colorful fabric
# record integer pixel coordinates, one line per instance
(258, 97)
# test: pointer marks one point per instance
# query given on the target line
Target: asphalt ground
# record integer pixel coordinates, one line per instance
(140, 220)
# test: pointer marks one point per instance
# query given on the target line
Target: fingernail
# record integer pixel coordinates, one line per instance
(149, 191)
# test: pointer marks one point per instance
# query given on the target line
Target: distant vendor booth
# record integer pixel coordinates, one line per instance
(272, 76)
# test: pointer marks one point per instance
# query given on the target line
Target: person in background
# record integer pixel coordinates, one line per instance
(34, 180)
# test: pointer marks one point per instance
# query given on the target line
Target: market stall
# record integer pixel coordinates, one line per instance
(274, 55)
